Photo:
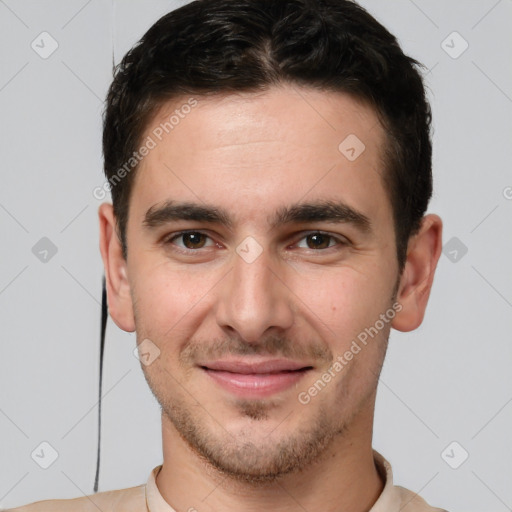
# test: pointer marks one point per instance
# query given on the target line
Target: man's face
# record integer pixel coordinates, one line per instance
(249, 315)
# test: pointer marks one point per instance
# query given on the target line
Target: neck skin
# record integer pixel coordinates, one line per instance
(344, 479)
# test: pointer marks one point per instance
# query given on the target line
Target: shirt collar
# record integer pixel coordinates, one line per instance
(154, 500)
(388, 501)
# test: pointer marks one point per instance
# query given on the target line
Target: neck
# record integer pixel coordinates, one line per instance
(344, 479)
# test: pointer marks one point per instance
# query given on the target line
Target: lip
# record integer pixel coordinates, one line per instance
(255, 378)
(255, 365)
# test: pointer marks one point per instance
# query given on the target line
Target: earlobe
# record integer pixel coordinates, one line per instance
(417, 278)
(116, 275)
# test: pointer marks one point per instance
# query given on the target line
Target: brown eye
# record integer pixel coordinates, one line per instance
(190, 240)
(194, 240)
(318, 241)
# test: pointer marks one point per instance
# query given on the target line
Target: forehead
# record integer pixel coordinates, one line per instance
(256, 151)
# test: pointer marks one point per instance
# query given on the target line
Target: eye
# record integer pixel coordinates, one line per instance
(319, 240)
(190, 240)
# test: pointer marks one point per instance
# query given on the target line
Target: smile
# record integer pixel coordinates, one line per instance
(256, 378)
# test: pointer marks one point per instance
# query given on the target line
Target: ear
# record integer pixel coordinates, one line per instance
(116, 276)
(423, 253)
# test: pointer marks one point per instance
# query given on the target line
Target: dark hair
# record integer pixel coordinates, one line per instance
(220, 46)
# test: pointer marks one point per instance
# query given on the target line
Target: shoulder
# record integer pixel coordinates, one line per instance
(412, 502)
(132, 499)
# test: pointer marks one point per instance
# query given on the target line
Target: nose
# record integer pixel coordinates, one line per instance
(254, 299)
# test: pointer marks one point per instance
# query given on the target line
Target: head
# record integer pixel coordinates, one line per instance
(291, 140)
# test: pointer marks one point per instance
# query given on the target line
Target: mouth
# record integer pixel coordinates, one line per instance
(256, 378)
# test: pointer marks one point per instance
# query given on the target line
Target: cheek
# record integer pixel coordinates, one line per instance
(341, 303)
(166, 298)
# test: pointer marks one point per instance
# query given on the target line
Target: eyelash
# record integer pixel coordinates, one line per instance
(343, 242)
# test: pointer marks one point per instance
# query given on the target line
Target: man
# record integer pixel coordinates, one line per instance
(270, 169)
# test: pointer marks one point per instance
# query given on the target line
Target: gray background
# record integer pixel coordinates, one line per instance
(448, 381)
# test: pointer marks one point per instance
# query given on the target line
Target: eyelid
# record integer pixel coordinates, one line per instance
(340, 239)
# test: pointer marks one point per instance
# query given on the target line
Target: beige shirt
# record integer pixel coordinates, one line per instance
(147, 498)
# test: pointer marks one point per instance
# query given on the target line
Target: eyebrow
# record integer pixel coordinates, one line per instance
(318, 211)
(170, 211)
(321, 211)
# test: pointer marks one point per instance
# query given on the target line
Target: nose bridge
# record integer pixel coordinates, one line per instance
(253, 299)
